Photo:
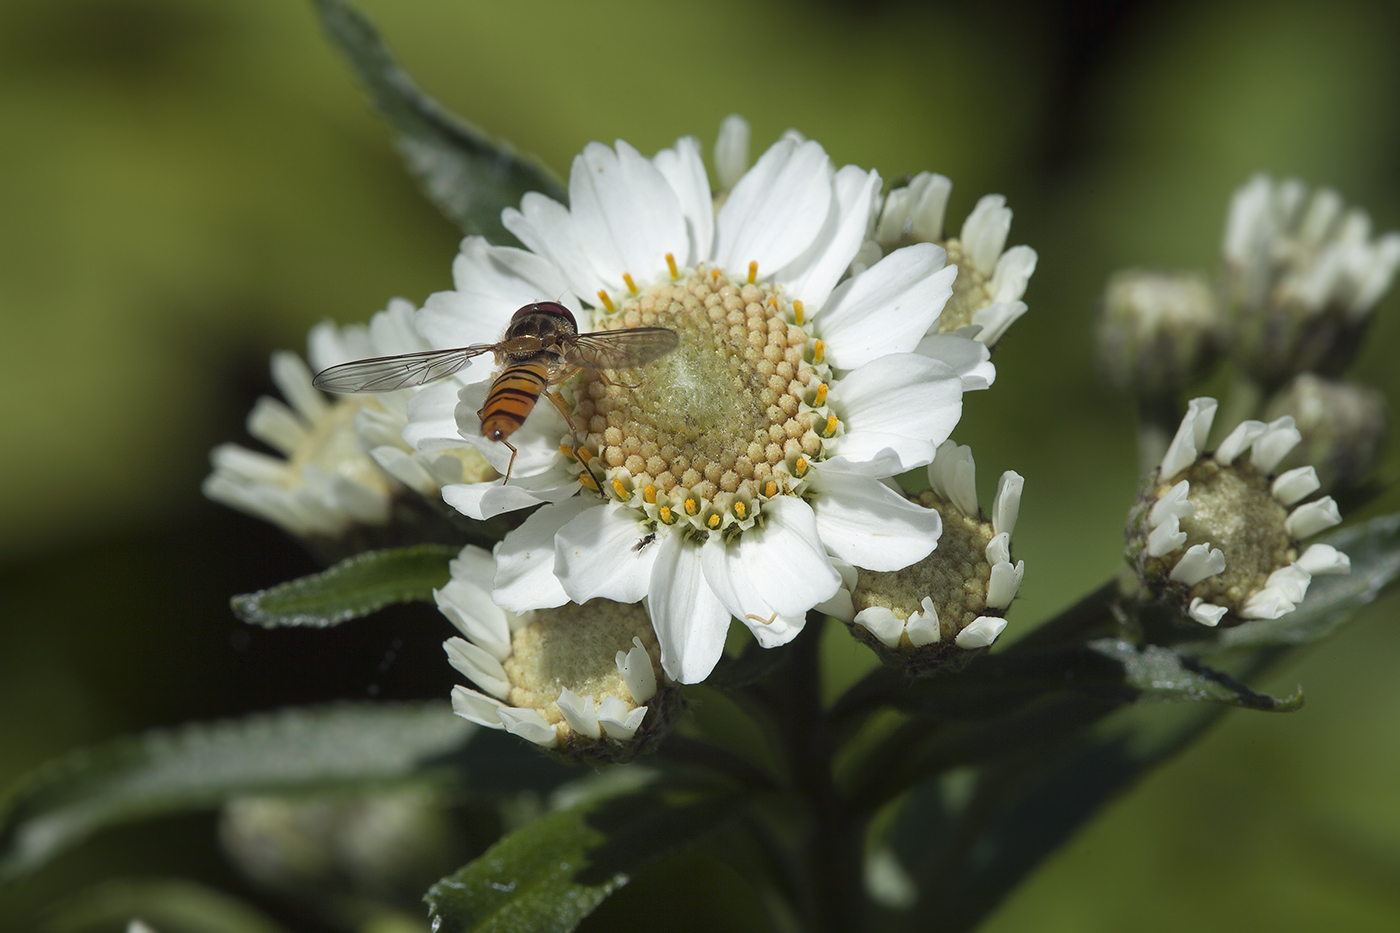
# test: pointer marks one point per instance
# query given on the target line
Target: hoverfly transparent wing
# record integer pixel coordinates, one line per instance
(619, 349)
(387, 373)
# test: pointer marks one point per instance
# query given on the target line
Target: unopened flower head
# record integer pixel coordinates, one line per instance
(1221, 532)
(1157, 331)
(1302, 274)
(581, 680)
(739, 469)
(1344, 427)
(991, 279)
(343, 458)
(935, 613)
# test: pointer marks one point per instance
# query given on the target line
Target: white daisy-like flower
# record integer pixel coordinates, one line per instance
(956, 597)
(575, 678)
(1303, 273)
(1218, 529)
(992, 279)
(342, 455)
(738, 466)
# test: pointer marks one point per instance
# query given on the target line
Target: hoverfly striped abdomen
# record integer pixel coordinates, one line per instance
(513, 396)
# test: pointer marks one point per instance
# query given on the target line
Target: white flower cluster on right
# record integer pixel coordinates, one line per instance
(1220, 526)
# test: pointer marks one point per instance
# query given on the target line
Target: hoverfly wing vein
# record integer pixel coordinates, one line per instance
(388, 373)
(619, 349)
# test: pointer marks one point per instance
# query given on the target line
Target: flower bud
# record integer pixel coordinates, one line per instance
(1220, 533)
(1344, 426)
(935, 614)
(584, 681)
(1301, 276)
(1157, 332)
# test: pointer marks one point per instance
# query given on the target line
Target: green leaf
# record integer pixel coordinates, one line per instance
(469, 176)
(166, 906)
(200, 766)
(550, 874)
(1160, 674)
(1374, 549)
(353, 588)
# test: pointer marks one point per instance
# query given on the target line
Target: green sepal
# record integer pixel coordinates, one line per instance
(200, 766)
(355, 587)
(467, 175)
(552, 873)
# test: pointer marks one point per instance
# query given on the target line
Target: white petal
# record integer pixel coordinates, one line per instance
(432, 418)
(810, 277)
(883, 624)
(998, 550)
(476, 707)
(1268, 603)
(477, 665)
(466, 601)
(1004, 583)
(1006, 507)
(684, 171)
(489, 499)
(728, 578)
(994, 319)
(1295, 485)
(865, 523)
(1292, 581)
(536, 442)
(626, 212)
(547, 228)
(1198, 563)
(953, 475)
(776, 210)
(1276, 443)
(529, 725)
(276, 425)
(525, 559)
(293, 379)
(1166, 537)
(1322, 559)
(968, 356)
(731, 151)
(1173, 502)
(1190, 437)
(594, 556)
(984, 232)
(1238, 441)
(1013, 273)
(1311, 517)
(1206, 613)
(922, 627)
(492, 283)
(617, 721)
(887, 308)
(903, 395)
(637, 672)
(980, 632)
(578, 713)
(689, 619)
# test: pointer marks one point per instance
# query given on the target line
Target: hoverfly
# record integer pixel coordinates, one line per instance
(540, 349)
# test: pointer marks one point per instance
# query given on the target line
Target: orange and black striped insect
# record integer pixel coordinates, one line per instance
(540, 349)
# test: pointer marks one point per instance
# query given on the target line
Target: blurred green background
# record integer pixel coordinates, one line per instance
(186, 187)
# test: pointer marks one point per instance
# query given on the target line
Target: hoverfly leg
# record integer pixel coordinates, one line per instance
(509, 466)
(608, 380)
(563, 407)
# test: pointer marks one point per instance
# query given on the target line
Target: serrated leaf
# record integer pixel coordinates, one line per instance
(1374, 549)
(200, 766)
(549, 875)
(355, 587)
(166, 906)
(469, 176)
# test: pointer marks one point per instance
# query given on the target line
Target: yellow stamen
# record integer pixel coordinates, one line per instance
(631, 285)
(649, 494)
(619, 489)
(740, 510)
(664, 513)
(797, 312)
(831, 424)
(585, 480)
(821, 395)
(770, 489)
(607, 302)
(671, 264)
(567, 451)
(818, 351)
(714, 274)
(692, 506)
(753, 271)
(799, 469)
(584, 454)
(713, 521)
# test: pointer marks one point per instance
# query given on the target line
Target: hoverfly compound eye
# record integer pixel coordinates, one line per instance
(548, 308)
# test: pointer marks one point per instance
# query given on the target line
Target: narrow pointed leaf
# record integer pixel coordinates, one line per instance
(355, 587)
(164, 905)
(1159, 674)
(552, 873)
(469, 176)
(200, 766)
